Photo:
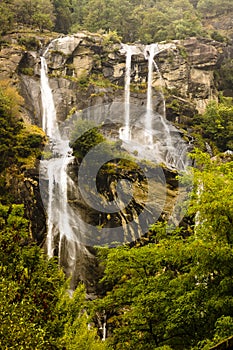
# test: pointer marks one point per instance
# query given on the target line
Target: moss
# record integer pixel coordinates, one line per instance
(98, 94)
(215, 35)
(100, 81)
(83, 80)
(57, 52)
(71, 112)
(138, 87)
(174, 105)
(27, 71)
(182, 51)
(57, 74)
(170, 57)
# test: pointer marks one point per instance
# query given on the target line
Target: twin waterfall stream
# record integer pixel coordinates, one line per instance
(62, 240)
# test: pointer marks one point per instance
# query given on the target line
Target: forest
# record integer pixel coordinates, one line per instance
(146, 21)
(170, 290)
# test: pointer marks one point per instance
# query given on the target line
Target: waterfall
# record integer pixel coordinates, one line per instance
(65, 233)
(161, 83)
(155, 133)
(57, 208)
(173, 157)
(150, 52)
(173, 149)
(125, 131)
(129, 50)
(49, 120)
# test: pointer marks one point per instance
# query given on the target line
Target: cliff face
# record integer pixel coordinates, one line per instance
(85, 70)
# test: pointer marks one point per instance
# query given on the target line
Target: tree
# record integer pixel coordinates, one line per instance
(63, 13)
(43, 21)
(29, 286)
(10, 123)
(176, 293)
(84, 137)
(79, 12)
(36, 310)
(34, 13)
(216, 124)
(77, 333)
(211, 8)
(6, 17)
(213, 203)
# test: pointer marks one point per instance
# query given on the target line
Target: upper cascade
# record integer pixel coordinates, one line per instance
(156, 133)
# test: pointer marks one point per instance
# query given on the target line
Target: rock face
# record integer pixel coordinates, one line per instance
(190, 71)
(85, 70)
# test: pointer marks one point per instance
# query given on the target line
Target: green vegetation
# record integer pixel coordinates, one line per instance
(36, 311)
(84, 137)
(19, 141)
(215, 126)
(177, 293)
(129, 20)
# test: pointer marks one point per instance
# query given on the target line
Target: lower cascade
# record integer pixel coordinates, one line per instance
(117, 213)
(61, 240)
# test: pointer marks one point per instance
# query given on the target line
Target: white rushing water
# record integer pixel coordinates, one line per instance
(150, 52)
(157, 134)
(58, 224)
(129, 50)
(49, 119)
(126, 130)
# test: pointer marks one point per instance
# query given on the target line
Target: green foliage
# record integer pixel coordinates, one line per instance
(130, 20)
(177, 293)
(84, 137)
(224, 75)
(216, 124)
(6, 18)
(210, 8)
(36, 311)
(63, 15)
(112, 37)
(38, 13)
(167, 21)
(10, 125)
(29, 286)
(20, 143)
(30, 42)
(213, 200)
(42, 21)
(27, 71)
(223, 327)
(76, 331)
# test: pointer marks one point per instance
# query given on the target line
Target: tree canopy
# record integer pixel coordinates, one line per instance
(177, 294)
(132, 19)
(215, 125)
